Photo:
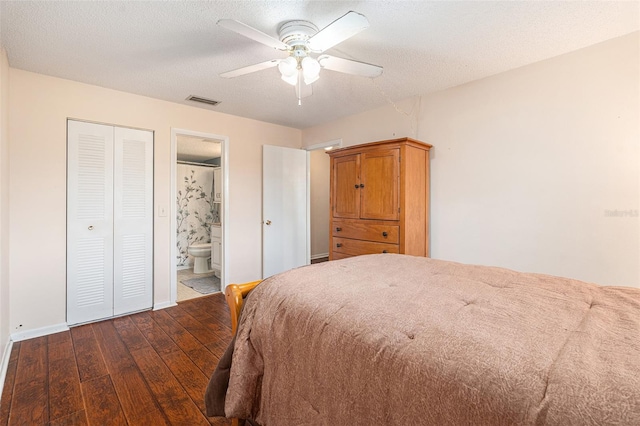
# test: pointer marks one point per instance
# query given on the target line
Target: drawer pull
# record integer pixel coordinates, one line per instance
(339, 245)
(384, 251)
(384, 234)
(338, 229)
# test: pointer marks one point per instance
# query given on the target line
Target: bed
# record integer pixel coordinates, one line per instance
(400, 340)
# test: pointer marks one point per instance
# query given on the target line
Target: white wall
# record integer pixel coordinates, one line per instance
(40, 106)
(4, 201)
(526, 163)
(319, 186)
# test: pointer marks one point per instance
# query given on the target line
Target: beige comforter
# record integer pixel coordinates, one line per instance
(400, 340)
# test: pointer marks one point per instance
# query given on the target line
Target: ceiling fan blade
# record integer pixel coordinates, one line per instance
(252, 33)
(251, 68)
(338, 31)
(349, 67)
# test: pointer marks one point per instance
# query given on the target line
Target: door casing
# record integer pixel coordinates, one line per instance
(224, 140)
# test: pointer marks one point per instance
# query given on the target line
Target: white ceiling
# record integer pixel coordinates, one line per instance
(170, 50)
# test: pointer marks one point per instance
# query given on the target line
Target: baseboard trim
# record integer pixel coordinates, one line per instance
(163, 305)
(5, 363)
(39, 332)
(319, 256)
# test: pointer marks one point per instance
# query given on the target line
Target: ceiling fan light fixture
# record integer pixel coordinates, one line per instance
(289, 70)
(290, 79)
(310, 69)
(311, 80)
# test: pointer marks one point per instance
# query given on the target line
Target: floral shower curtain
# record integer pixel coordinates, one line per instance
(195, 208)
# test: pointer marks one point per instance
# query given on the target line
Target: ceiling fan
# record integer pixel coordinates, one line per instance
(300, 39)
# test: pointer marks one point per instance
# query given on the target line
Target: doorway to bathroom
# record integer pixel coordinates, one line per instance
(198, 214)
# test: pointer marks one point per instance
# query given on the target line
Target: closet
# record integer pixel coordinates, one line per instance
(380, 199)
(109, 221)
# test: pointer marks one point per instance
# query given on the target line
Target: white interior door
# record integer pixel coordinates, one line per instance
(89, 222)
(133, 220)
(285, 209)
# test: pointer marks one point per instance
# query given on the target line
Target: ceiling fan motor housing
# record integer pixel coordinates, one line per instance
(297, 33)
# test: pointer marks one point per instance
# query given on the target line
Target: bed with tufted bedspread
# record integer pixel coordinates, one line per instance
(401, 340)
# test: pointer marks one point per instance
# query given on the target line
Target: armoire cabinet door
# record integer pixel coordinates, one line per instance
(89, 222)
(345, 191)
(380, 178)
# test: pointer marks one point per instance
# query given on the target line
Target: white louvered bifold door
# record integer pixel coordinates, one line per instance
(89, 222)
(133, 220)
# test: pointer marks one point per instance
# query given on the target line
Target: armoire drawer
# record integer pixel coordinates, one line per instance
(358, 247)
(360, 230)
(337, 256)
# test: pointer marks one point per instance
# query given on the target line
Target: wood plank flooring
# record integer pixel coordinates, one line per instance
(149, 368)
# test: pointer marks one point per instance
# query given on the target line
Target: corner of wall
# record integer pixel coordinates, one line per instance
(5, 342)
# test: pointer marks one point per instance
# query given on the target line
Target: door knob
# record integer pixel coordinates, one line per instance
(357, 186)
(268, 222)
(362, 185)
(90, 228)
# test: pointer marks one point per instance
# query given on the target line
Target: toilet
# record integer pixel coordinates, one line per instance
(201, 253)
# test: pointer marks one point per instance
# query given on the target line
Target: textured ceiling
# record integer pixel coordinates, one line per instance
(170, 50)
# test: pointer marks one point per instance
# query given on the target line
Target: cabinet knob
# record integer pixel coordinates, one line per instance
(338, 229)
(357, 186)
(339, 245)
(384, 251)
(362, 185)
(384, 234)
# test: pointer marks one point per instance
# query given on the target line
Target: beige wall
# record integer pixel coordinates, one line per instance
(319, 188)
(526, 163)
(4, 200)
(40, 106)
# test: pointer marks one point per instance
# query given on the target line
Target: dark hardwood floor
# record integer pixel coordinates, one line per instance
(149, 368)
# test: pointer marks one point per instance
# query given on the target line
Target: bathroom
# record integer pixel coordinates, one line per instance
(198, 215)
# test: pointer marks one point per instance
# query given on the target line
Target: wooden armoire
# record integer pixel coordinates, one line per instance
(380, 199)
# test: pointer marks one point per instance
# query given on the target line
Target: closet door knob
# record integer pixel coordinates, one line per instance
(90, 228)
(362, 185)
(357, 186)
(384, 234)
